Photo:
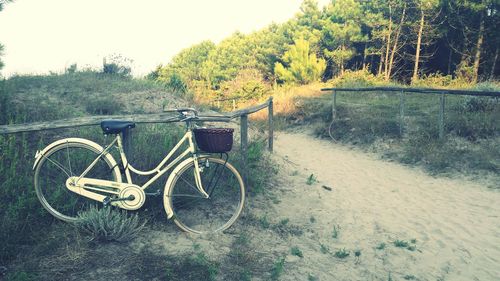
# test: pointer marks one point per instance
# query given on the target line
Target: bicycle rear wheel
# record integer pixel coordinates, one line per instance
(56, 166)
(196, 214)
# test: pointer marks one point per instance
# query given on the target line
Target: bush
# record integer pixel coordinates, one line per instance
(359, 78)
(107, 224)
(117, 65)
(438, 80)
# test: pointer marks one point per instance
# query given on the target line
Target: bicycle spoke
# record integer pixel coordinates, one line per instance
(190, 185)
(59, 166)
(216, 213)
(69, 161)
(51, 176)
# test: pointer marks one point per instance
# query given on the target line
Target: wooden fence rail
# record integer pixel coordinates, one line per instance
(156, 118)
(401, 91)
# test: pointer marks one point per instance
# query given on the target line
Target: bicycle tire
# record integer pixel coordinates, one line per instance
(195, 214)
(60, 162)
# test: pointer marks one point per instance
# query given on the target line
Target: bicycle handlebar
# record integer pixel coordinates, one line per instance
(195, 117)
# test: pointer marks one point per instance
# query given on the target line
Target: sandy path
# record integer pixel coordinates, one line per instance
(454, 224)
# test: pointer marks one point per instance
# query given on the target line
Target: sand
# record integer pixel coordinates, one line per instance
(454, 224)
(446, 228)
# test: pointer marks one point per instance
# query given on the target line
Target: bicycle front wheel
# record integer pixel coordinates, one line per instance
(197, 214)
(57, 165)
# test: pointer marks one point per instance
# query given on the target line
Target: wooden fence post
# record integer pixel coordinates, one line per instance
(441, 114)
(127, 142)
(271, 128)
(244, 145)
(334, 105)
(401, 112)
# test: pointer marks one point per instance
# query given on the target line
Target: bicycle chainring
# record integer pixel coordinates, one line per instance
(137, 202)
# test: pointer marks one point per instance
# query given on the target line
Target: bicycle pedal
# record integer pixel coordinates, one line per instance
(106, 201)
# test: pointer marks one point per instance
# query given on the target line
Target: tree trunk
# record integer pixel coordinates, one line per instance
(364, 56)
(342, 60)
(480, 38)
(388, 45)
(419, 42)
(381, 62)
(395, 46)
(492, 74)
(449, 62)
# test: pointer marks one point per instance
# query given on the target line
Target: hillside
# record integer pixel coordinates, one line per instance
(315, 210)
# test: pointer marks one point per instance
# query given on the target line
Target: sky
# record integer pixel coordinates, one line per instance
(50, 35)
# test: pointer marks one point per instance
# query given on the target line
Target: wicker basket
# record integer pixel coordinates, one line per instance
(214, 140)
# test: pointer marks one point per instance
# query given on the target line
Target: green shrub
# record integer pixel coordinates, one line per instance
(108, 224)
(357, 79)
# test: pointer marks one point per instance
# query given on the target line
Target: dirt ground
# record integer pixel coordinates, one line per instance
(355, 217)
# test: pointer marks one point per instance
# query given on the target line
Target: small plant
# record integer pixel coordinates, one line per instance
(200, 260)
(409, 277)
(336, 231)
(264, 222)
(284, 222)
(341, 254)
(297, 252)
(312, 278)
(324, 249)
(312, 219)
(107, 224)
(401, 243)
(406, 244)
(277, 268)
(380, 246)
(357, 255)
(311, 180)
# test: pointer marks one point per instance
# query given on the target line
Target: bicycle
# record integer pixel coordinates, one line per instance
(203, 193)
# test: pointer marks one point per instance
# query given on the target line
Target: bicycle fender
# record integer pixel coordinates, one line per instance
(39, 154)
(168, 186)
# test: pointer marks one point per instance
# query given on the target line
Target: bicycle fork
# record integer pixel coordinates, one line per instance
(197, 177)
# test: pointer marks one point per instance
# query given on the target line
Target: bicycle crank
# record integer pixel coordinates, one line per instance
(123, 195)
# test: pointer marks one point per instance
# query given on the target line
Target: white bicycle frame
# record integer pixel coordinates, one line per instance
(159, 169)
(86, 191)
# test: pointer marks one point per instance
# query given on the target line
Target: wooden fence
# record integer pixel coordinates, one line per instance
(156, 118)
(442, 98)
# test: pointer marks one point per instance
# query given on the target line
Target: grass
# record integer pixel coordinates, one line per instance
(278, 268)
(324, 249)
(311, 179)
(405, 244)
(336, 231)
(370, 120)
(242, 260)
(401, 243)
(264, 222)
(341, 254)
(38, 235)
(296, 252)
(312, 278)
(380, 246)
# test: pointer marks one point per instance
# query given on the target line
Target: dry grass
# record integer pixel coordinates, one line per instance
(287, 99)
